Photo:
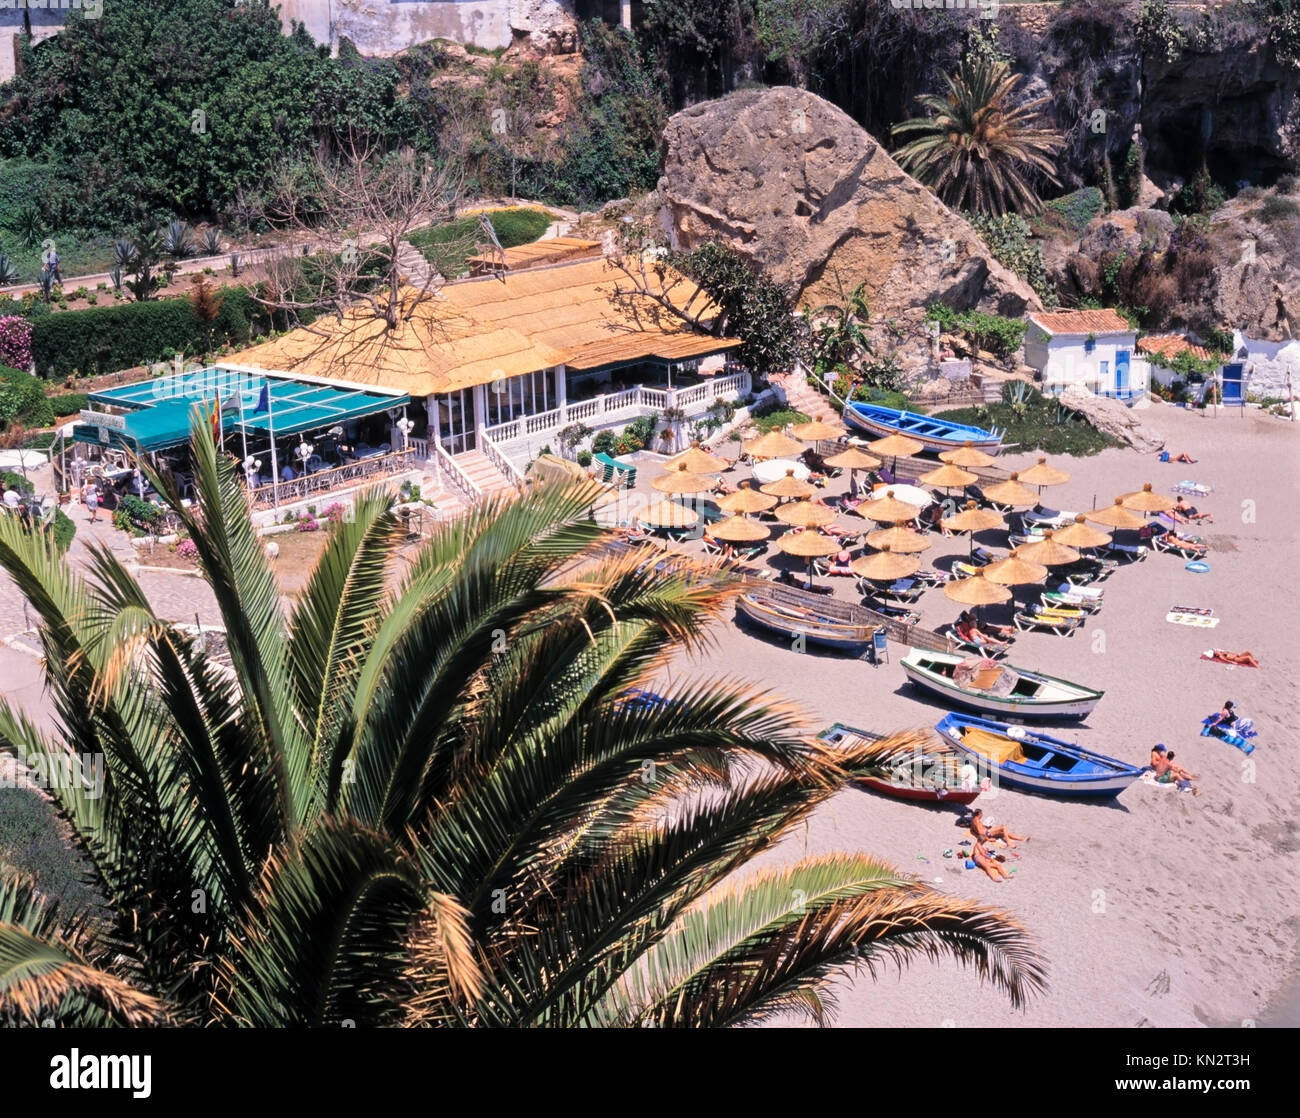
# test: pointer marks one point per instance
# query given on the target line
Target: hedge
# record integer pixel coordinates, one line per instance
(69, 403)
(22, 400)
(109, 339)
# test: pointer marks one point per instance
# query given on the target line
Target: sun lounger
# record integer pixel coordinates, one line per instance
(1054, 599)
(1128, 552)
(965, 570)
(901, 614)
(1069, 587)
(989, 650)
(904, 590)
(931, 578)
(1053, 621)
(1089, 569)
(984, 556)
(1187, 549)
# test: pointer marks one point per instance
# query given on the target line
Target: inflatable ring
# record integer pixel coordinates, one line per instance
(1199, 568)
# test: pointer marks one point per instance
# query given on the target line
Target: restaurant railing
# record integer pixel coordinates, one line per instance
(323, 481)
(456, 477)
(495, 455)
(647, 399)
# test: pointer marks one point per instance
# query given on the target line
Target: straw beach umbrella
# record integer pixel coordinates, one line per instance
(668, 514)
(853, 459)
(789, 488)
(697, 460)
(898, 539)
(949, 477)
(816, 429)
(1011, 492)
(973, 520)
(1144, 500)
(804, 514)
(1042, 475)
(773, 445)
(1047, 552)
(1115, 516)
(976, 591)
(807, 545)
(1080, 534)
(682, 482)
(738, 529)
(896, 447)
(888, 510)
(1014, 571)
(967, 457)
(885, 566)
(746, 501)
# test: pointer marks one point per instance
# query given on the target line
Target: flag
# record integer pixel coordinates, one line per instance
(264, 400)
(231, 403)
(215, 419)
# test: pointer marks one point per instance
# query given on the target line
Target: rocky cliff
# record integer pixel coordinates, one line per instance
(790, 181)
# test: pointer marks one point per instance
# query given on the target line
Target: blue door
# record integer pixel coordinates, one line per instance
(1121, 372)
(1232, 393)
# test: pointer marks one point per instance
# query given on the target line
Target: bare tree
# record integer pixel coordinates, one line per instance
(655, 293)
(349, 216)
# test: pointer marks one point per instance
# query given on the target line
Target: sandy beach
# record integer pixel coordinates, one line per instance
(1159, 908)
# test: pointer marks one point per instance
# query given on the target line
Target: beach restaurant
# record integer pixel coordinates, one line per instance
(294, 435)
(497, 366)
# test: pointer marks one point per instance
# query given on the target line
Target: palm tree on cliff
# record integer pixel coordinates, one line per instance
(431, 793)
(975, 147)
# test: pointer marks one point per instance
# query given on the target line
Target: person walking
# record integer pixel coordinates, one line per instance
(92, 502)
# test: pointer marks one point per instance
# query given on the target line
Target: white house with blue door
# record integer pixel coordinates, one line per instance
(1264, 368)
(1096, 350)
(1162, 349)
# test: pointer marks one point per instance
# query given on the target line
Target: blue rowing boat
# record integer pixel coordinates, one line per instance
(934, 432)
(1035, 762)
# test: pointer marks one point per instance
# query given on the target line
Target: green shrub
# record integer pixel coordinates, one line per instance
(108, 339)
(584, 458)
(22, 400)
(1000, 336)
(603, 443)
(773, 418)
(64, 529)
(1076, 210)
(1037, 422)
(11, 480)
(69, 403)
(1008, 239)
(449, 245)
(1276, 208)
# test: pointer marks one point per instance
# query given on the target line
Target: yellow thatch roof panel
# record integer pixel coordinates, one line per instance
(550, 251)
(584, 314)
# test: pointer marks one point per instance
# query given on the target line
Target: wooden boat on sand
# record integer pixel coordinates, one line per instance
(1035, 762)
(932, 778)
(934, 432)
(994, 688)
(796, 614)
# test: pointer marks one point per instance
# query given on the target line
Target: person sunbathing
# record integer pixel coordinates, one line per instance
(1241, 659)
(1183, 512)
(968, 631)
(723, 487)
(984, 833)
(987, 861)
(1181, 456)
(1226, 717)
(1169, 773)
(1173, 539)
(839, 564)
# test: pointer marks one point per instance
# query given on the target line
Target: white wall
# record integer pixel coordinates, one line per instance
(1267, 365)
(1065, 361)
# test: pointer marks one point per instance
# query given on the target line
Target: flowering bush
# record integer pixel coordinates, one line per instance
(334, 513)
(308, 523)
(15, 342)
(186, 549)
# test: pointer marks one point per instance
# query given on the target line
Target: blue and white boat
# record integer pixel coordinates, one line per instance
(1035, 762)
(934, 432)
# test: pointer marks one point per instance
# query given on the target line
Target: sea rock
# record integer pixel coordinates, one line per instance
(794, 184)
(1112, 418)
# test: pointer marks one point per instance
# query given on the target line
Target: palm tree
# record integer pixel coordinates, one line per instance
(976, 147)
(435, 796)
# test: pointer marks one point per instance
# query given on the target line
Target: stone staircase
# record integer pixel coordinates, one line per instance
(484, 473)
(413, 264)
(802, 396)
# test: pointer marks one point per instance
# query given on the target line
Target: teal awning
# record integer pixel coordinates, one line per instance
(159, 409)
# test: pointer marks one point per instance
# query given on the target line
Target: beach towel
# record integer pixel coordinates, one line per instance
(1193, 488)
(1149, 777)
(1197, 619)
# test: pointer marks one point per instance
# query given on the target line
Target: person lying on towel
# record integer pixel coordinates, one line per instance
(1241, 659)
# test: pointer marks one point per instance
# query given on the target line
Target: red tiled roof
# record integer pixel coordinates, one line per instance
(1082, 322)
(1171, 345)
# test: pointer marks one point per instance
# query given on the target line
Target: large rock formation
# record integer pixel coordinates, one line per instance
(793, 183)
(1113, 418)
